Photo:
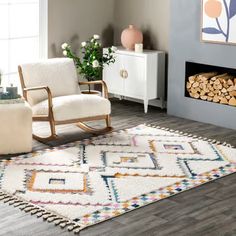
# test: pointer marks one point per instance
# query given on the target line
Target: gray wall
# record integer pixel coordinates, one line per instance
(152, 16)
(185, 45)
(74, 21)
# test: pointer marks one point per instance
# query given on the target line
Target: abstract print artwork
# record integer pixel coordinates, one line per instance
(219, 21)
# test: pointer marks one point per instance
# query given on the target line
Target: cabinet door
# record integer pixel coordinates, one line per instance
(111, 75)
(135, 83)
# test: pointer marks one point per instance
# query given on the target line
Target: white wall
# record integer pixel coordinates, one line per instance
(76, 20)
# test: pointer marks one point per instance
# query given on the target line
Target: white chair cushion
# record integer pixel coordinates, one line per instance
(59, 74)
(75, 107)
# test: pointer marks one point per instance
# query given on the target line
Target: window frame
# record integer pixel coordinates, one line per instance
(43, 29)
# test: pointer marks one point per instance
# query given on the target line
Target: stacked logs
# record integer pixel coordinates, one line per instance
(213, 87)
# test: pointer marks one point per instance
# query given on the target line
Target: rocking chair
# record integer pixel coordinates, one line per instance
(52, 89)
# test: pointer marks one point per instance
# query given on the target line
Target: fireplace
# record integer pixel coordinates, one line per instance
(185, 46)
(210, 83)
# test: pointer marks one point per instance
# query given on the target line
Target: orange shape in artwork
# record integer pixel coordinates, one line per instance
(213, 8)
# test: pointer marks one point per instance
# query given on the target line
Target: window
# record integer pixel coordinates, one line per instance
(23, 35)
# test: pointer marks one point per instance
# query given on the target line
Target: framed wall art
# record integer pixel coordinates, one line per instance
(219, 21)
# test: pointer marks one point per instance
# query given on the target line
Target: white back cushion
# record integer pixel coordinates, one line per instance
(59, 74)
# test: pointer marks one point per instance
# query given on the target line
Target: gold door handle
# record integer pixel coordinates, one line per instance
(124, 74)
(121, 73)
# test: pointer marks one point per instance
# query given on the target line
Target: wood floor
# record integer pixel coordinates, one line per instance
(207, 210)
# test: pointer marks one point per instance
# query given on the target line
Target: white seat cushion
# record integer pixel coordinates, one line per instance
(74, 107)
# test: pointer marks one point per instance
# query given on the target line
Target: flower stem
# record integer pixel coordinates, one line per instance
(219, 26)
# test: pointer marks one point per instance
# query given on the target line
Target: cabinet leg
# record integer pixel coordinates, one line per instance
(162, 103)
(145, 106)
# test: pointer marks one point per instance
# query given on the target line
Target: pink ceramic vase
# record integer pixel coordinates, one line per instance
(130, 37)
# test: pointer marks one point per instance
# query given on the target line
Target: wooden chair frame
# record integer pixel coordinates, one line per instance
(50, 117)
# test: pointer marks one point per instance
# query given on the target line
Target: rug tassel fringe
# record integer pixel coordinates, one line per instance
(71, 227)
(64, 224)
(212, 141)
(77, 230)
(59, 221)
(39, 212)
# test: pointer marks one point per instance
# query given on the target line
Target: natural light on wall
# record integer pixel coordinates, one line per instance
(23, 35)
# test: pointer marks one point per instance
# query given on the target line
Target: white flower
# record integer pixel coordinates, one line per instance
(114, 49)
(92, 40)
(83, 44)
(65, 53)
(95, 64)
(64, 46)
(96, 36)
(96, 44)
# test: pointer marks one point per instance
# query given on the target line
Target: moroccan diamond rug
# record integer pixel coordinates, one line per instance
(87, 182)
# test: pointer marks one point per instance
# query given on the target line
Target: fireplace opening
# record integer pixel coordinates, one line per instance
(210, 83)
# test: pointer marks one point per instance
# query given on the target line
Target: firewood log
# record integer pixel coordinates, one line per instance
(196, 95)
(225, 77)
(202, 93)
(203, 97)
(232, 93)
(218, 76)
(224, 90)
(230, 82)
(219, 88)
(225, 85)
(216, 91)
(195, 85)
(211, 94)
(189, 85)
(232, 101)
(223, 100)
(193, 78)
(207, 75)
(231, 88)
(217, 82)
(216, 99)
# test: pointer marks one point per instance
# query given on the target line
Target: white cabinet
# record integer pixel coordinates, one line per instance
(137, 75)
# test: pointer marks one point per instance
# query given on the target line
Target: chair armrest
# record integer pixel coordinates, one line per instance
(104, 86)
(25, 90)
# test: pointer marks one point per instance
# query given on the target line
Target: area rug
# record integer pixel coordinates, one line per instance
(87, 182)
